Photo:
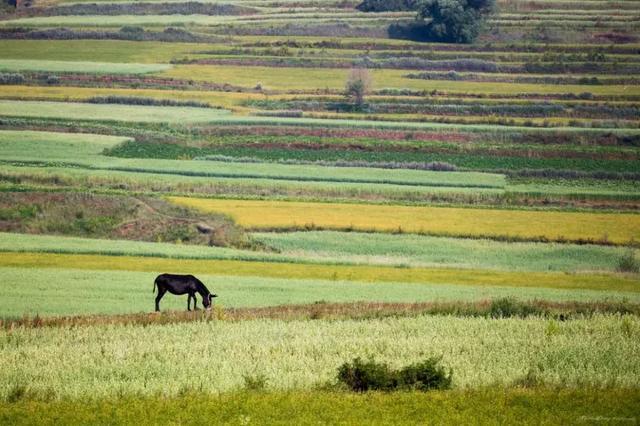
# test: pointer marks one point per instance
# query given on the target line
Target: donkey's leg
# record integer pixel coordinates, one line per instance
(189, 295)
(161, 292)
(195, 302)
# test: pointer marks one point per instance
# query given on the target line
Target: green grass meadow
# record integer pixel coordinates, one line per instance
(102, 112)
(83, 292)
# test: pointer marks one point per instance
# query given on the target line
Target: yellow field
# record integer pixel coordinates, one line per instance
(551, 225)
(228, 100)
(287, 79)
(603, 282)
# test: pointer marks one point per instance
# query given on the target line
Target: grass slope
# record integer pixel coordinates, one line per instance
(118, 51)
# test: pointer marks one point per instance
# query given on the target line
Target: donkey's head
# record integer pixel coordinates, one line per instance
(207, 301)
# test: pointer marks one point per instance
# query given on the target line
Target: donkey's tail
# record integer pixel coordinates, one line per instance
(154, 284)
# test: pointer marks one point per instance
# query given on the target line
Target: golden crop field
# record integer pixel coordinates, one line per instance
(472, 222)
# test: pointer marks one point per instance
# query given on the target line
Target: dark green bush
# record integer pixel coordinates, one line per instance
(386, 5)
(138, 100)
(362, 376)
(509, 307)
(11, 78)
(628, 262)
(255, 383)
(425, 375)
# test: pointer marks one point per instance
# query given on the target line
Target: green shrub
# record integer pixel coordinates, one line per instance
(628, 262)
(425, 375)
(362, 376)
(508, 307)
(11, 78)
(16, 393)
(255, 383)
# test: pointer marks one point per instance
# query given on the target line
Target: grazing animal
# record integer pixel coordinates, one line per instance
(183, 284)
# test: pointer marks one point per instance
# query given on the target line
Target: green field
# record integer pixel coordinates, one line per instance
(459, 406)
(415, 250)
(82, 67)
(322, 78)
(101, 112)
(101, 291)
(350, 248)
(116, 51)
(87, 150)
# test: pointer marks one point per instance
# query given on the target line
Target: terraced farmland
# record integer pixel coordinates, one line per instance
(349, 184)
(425, 220)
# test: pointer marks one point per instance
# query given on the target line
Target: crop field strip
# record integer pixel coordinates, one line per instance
(444, 221)
(84, 151)
(531, 114)
(348, 248)
(232, 349)
(362, 273)
(97, 291)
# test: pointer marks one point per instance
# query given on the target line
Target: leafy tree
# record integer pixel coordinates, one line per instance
(457, 21)
(358, 84)
(386, 5)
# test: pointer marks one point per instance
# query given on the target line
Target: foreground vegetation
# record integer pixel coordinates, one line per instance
(486, 405)
(69, 362)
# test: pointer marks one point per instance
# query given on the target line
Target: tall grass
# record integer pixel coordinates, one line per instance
(105, 361)
(506, 307)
